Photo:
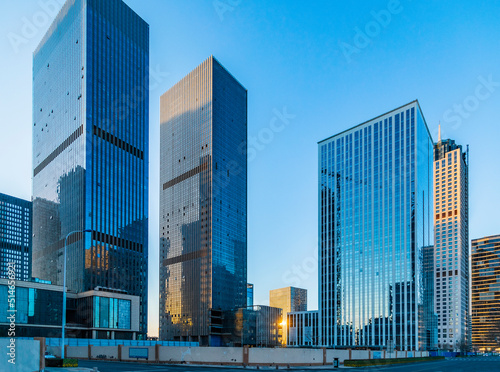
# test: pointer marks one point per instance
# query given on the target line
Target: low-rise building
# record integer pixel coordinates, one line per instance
(98, 314)
(302, 329)
(258, 326)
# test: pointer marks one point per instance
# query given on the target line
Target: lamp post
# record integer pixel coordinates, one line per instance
(64, 286)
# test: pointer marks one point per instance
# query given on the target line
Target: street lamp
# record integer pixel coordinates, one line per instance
(64, 286)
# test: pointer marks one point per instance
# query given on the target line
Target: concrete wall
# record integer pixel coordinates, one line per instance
(400, 354)
(104, 352)
(81, 352)
(215, 355)
(285, 356)
(360, 354)
(26, 355)
(341, 354)
(231, 355)
(54, 350)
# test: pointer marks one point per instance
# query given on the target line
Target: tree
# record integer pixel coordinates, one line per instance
(462, 345)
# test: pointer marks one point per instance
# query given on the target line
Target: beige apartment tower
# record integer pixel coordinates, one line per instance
(451, 244)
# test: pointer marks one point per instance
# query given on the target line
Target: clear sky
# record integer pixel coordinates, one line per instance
(317, 67)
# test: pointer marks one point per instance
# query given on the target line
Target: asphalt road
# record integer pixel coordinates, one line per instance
(482, 364)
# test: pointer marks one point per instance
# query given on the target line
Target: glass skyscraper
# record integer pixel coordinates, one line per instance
(203, 203)
(90, 149)
(486, 293)
(15, 237)
(451, 206)
(428, 311)
(375, 218)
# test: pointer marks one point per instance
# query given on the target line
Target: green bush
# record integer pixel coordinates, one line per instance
(378, 362)
(68, 362)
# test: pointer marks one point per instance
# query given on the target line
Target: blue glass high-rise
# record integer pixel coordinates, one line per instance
(15, 237)
(90, 148)
(375, 218)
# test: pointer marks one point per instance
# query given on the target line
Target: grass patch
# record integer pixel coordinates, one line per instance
(380, 362)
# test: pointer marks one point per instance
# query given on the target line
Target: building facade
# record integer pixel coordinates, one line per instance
(258, 326)
(96, 314)
(302, 329)
(90, 149)
(203, 203)
(451, 206)
(249, 295)
(289, 299)
(375, 217)
(15, 237)
(428, 311)
(485, 295)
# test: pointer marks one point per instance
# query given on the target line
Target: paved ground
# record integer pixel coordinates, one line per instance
(483, 364)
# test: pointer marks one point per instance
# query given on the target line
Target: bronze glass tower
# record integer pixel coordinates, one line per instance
(203, 203)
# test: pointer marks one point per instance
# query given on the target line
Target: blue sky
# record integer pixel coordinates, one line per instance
(318, 68)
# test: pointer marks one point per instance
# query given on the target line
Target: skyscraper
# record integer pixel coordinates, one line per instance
(90, 149)
(451, 206)
(288, 299)
(15, 237)
(375, 218)
(485, 286)
(203, 203)
(428, 311)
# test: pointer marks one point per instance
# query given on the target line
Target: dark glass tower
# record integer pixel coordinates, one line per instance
(485, 285)
(90, 148)
(203, 203)
(375, 218)
(428, 311)
(15, 237)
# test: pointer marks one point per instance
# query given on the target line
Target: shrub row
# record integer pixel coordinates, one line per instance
(377, 362)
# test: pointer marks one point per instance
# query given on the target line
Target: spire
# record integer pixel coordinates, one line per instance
(439, 132)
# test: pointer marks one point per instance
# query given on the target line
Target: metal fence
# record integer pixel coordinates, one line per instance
(95, 342)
